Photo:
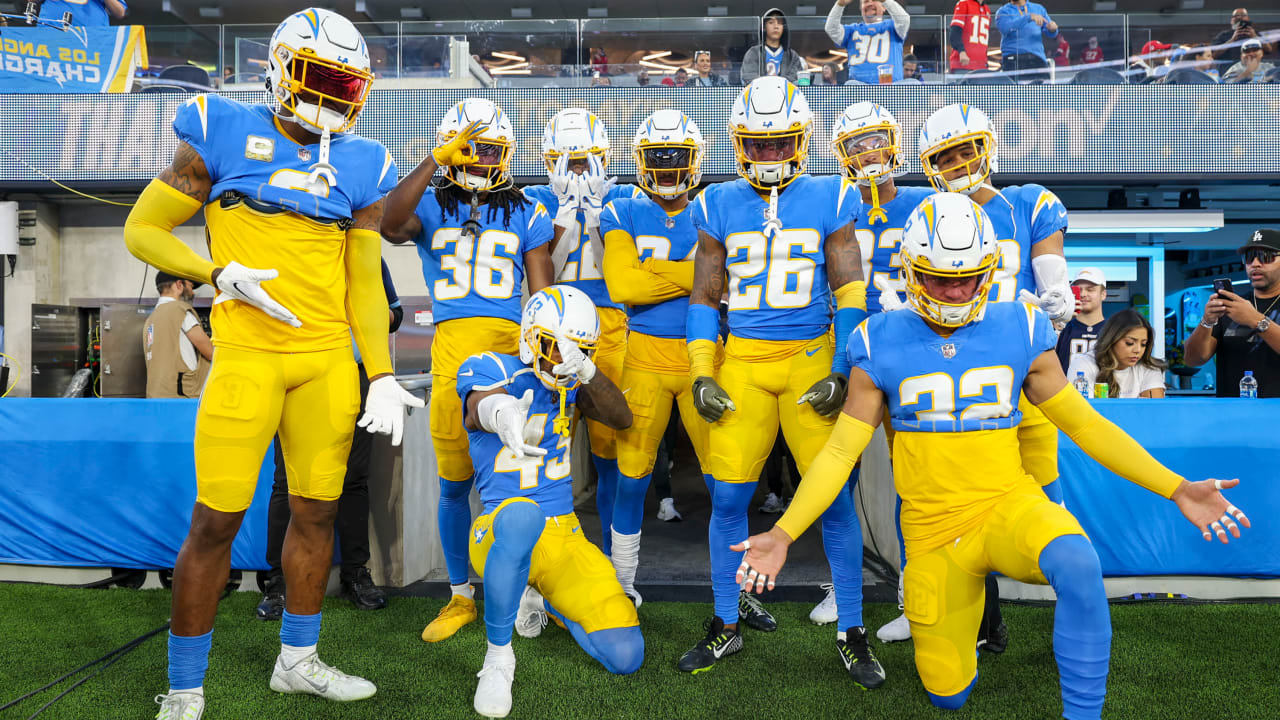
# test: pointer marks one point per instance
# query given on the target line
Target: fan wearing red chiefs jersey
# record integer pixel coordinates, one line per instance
(967, 35)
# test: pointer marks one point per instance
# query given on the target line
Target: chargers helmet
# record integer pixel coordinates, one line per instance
(863, 134)
(550, 312)
(318, 70)
(493, 146)
(669, 144)
(959, 125)
(770, 125)
(948, 236)
(577, 133)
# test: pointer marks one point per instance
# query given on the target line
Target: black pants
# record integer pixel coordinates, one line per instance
(352, 523)
(1024, 62)
(773, 466)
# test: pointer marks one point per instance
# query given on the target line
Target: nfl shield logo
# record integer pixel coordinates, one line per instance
(949, 351)
(304, 154)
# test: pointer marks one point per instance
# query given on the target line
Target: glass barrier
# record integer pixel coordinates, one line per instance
(502, 47)
(923, 43)
(180, 52)
(245, 47)
(1208, 43)
(1086, 48)
(636, 51)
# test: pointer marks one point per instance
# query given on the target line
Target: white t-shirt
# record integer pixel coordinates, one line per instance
(185, 346)
(1133, 381)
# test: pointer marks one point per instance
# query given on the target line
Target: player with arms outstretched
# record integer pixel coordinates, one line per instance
(291, 202)
(648, 265)
(575, 149)
(786, 240)
(528, 544)
(951, 374)
(479, 239)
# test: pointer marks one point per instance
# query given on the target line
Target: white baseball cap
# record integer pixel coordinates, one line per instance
(1091, 275)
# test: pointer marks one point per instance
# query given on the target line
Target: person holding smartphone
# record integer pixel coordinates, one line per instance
(1243, 330)
(1081, 331)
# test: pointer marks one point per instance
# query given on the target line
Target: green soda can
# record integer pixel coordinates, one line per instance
(1101, 390)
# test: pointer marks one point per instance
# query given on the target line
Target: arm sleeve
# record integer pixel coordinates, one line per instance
(628, 283)
(366, 302)
(827, 476)
(148, 233)
(901, 20)
(834, 29)
(955, 37)
(1106, 443)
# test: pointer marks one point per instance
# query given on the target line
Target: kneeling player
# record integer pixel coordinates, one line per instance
(528, 545)
(950, 373)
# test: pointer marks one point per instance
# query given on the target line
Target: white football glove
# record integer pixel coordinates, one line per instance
(597, 189)
(384, 408)
(565, 184)
(889, 300)
(238, 282)
(1058, 303)
(506, 416)
(573, 361)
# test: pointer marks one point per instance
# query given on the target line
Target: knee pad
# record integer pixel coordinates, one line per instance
(953, 702)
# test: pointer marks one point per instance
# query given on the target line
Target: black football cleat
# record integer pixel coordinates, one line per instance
(361, 591)
(858, 659)
(752, 612)
(271, 606)
(719, 642)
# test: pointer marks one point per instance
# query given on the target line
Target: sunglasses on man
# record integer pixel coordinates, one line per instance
(1265, 256)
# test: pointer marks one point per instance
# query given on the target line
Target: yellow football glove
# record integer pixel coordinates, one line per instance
(461, 148)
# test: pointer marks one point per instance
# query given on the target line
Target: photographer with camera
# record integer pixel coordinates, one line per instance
(1233, 38)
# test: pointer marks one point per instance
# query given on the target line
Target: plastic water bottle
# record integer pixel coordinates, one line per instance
(1248, 385)
(1082, 386)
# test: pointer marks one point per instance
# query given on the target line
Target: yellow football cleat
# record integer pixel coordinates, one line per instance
(460, 611)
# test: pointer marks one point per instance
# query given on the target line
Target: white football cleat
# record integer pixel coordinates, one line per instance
(180, 705)
(896, 630)
(667, 511)
(310, 676)
(825, 613)
(531, 617)
(493, 692)
(772, 505)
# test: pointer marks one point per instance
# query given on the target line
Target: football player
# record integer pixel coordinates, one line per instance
(648, 266)
(479, 239)
(959, 152)
(953, 373)
(867, 140)
(528, 544)
(292, 204)
(575, 149)
(786, 240)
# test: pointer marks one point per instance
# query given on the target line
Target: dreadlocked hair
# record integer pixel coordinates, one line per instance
(505, 198)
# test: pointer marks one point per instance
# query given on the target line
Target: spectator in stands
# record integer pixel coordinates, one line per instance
(1205, 63)
(874, 42)
(1152, 59)
(1229, 44)
(86, 13)
(968, 35)
(1081, 332)
(1023, 26)
(599, 61)
(680, 79)
(1062, 53)
(1122, 359)
(352, 521)
(1250, 68)
(1243, 331)
(1092, 53)
(774, 56)
(228, 75)
(830, 76)
(642, 77)
(910, 68)
(706, 76)
(176, 349)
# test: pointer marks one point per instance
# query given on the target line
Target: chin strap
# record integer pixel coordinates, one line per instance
(472, 225)
(563, 421)
(772, 225)
(322, 168)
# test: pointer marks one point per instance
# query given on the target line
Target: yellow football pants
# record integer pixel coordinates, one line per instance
(609, 357)
(454, 342)
(655, 375)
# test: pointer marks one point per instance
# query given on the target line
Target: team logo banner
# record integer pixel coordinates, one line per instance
(77, 60)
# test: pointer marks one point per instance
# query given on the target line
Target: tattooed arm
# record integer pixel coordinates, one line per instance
(170, 200)
(708, 272)
(603, 402)
(844, 258)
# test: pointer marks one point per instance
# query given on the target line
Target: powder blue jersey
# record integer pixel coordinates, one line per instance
(970, 380)
(880, 242)
(582, 267)
(777, 286)
(244, 150)
(499, 473)
(1022, 215)
(480, 275)
(871, 45)
(661, 236)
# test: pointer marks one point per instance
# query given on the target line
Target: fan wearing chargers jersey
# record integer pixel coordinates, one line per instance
(648, 265)
(786, 241)
(292, 204)
(875, 41)
(528, 544)
(575, 149)
(479, 240)
(955, 374)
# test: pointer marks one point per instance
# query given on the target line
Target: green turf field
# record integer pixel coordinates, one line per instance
(1168, 662)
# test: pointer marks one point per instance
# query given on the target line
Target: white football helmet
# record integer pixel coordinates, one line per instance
(959, 125)
(555, 310)
(668, 150)
(948, 237)
(318, 70)
(577, 133)
(770, 126)
(493, 146)
(864, 136)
